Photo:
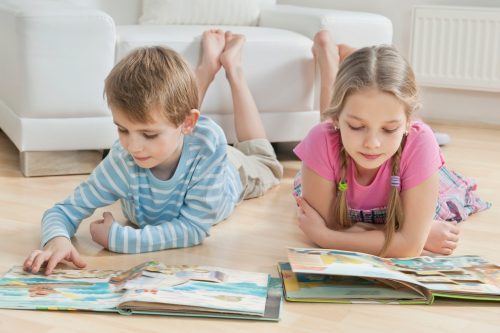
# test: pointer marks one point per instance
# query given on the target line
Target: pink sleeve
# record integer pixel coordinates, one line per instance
(421, 156)
(319, 150)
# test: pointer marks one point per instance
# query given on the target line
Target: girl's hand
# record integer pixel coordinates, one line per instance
(310, 222)
(56, 250)
(364, 226)
(443, 237)
(99, 229)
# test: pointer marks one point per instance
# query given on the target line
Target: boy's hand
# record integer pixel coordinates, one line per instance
(100, 229)
(56, 250)
(311, 223)
(443, 237)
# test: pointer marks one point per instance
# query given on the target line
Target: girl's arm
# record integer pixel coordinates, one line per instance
(418, 206)
(320, 194)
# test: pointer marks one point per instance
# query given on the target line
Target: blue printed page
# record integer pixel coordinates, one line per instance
(63, 290)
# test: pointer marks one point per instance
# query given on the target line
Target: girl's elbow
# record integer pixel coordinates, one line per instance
(406, 250)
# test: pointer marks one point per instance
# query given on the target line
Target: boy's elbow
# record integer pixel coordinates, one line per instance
(200, 236)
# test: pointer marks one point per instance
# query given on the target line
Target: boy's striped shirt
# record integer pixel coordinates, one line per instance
(174, 213)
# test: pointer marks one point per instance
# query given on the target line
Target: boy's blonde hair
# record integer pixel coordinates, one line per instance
(383, 68)
(152, 78)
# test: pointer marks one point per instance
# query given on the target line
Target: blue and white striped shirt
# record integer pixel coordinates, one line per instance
(169, 213)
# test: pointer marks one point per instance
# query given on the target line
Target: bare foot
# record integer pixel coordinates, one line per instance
(326, 53)
(231, 57)
(345, 51)
(213, 43)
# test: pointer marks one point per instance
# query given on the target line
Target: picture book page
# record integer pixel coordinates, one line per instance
(197, 288)
(351, 288)
(457, 274)
(62, 290)
(335, 262)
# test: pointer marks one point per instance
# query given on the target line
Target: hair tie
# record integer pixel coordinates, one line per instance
(395, 181)
(342, 186)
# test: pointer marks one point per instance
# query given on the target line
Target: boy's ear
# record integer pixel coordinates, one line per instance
(190, 121)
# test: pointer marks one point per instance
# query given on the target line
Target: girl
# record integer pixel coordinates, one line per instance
(372, 179)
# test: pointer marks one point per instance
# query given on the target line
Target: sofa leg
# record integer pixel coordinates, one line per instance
(55, 163)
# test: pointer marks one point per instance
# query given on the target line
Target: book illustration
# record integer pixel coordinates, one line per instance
(345, 289)
(147, 288)
(90, 275)
(209, 288)
(132, 272)
(438, 264)
(334, 262)
(341, 276)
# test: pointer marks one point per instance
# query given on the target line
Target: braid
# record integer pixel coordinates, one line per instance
(395, 216)
(341, 209)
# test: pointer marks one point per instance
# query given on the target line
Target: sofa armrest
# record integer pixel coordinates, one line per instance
(54, 59)
(357, 29)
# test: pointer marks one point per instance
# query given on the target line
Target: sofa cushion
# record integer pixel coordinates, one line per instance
(271, 58)
(200, 12)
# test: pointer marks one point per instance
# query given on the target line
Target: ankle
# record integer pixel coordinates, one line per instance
(235, 74)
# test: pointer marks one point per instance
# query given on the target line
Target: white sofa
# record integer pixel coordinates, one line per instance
(55, 54)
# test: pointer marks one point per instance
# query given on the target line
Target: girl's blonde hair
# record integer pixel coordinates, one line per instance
(383, 68)
(152, 78)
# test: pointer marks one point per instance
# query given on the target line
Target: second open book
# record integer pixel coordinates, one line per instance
(322, 275)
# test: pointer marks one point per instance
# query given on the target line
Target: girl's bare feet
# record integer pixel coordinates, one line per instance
(327, 56)
(345, 51)
(212, 44)
(326, 53)
(231, 57)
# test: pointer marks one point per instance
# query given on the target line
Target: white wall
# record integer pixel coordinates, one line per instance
(448, 105)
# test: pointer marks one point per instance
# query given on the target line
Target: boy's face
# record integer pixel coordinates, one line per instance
(155, 145)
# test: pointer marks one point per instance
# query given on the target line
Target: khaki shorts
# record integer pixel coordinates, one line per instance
(257, 165)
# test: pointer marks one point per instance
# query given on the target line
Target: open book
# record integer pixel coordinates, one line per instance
(322, 275)
(150, 288)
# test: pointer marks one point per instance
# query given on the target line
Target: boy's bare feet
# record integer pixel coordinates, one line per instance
(247, 122)
(231, 57)
(212, 44)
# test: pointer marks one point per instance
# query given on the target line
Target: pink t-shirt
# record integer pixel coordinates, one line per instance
(420, 159)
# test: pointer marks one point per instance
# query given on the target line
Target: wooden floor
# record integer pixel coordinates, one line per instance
(254, 238)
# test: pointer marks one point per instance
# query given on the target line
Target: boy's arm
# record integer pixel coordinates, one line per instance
(107, 183)
(205, 203)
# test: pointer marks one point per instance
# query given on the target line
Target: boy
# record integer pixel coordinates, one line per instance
(171, 169)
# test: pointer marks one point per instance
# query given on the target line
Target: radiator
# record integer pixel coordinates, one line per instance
(456, 47)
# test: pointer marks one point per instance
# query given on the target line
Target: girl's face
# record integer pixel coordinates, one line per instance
(153, 145)
(372, 124)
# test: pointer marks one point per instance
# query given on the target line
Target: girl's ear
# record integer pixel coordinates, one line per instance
(190, 121)
(408, 125)
(335, 123)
